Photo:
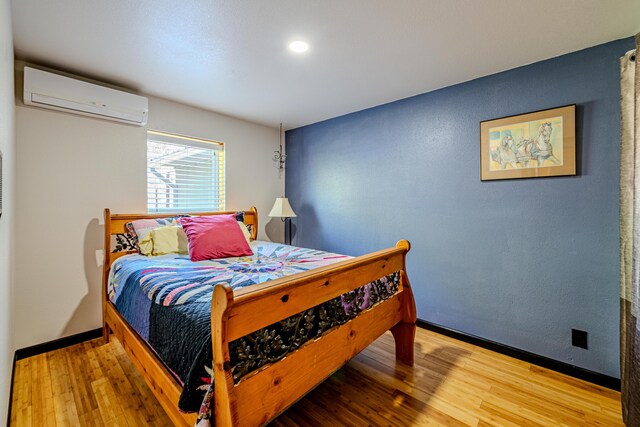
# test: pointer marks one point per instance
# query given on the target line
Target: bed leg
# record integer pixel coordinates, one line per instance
(105, 333)
(404, 333)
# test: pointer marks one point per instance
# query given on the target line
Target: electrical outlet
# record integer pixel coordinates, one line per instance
(579, 338)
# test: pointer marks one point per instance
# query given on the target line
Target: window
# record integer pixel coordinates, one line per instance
(184, 174)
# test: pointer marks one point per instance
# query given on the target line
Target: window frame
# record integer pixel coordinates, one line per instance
(218, 172)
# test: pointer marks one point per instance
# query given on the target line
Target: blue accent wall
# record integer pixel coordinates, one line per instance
(520, 262)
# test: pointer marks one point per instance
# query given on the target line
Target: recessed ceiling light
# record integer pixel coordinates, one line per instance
(299, 46)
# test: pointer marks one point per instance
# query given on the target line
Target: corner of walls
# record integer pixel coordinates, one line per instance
(7, 146)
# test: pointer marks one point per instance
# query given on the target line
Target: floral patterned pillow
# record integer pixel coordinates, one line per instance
(123, 242)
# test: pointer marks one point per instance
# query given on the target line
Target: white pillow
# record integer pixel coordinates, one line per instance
(245, 231)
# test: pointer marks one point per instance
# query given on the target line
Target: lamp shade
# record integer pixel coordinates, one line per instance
(282, 208)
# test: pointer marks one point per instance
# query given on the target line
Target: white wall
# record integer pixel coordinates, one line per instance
(7, 144)
(69, 168)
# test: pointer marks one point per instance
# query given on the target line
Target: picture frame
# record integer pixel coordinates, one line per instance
(532, 145)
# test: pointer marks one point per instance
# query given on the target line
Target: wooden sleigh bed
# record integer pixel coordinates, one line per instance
(265, 393)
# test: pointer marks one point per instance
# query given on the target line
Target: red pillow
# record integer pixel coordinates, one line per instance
(215, 236)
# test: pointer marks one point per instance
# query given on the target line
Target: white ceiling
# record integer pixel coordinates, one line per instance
(231, 56)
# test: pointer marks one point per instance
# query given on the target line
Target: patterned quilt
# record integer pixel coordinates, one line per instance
(167, 300)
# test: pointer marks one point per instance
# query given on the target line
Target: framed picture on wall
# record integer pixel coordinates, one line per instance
(532, 145)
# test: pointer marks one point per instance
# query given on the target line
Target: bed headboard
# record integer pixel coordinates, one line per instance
(115, 230)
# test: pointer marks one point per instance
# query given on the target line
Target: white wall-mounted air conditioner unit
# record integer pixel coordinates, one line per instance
(49, 90)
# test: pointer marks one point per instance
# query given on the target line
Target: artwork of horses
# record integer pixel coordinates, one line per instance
(536, 144)
(528, 144)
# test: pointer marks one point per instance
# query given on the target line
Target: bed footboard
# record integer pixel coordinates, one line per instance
(263, 394)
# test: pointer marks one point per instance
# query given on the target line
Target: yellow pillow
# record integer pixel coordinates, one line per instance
(146, 245)
(169, 239)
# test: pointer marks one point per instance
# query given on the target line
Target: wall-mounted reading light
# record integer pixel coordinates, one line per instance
(278, 155)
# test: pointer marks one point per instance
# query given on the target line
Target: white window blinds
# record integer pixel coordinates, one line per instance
(184, 174)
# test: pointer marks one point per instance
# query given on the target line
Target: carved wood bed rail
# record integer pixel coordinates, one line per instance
(264, 393)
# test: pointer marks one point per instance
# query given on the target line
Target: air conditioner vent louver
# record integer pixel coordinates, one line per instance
(49, 90)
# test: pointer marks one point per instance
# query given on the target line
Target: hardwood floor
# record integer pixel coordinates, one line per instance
(452, 383)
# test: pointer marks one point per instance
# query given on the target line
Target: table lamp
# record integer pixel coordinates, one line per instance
(282, 209)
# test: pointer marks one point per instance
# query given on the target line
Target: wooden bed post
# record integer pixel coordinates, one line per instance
(105, 273)
(224, 410)
(404, 332)
(254, 230)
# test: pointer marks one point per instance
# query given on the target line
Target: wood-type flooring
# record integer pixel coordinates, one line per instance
(452, 383)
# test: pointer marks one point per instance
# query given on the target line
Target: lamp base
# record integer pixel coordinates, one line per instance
(287, 233)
